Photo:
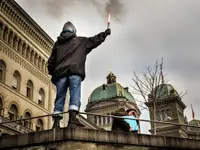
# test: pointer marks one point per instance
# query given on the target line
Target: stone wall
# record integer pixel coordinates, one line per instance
(75, 145)
(87, 139)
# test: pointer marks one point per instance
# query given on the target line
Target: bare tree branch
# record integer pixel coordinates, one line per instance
(150, 88)
(182, 94)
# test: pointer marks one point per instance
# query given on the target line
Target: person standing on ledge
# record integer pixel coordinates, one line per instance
(66, 64)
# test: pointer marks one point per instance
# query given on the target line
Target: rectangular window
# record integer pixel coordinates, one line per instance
(28, 92)
(26, 124)
(95, 119)
(40, 100)
(11, 116)
(14, 83)
(38, 128)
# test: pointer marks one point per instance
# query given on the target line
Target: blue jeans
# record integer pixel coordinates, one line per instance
(74, 84)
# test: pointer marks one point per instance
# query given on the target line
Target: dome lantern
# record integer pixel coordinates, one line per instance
(111, 78)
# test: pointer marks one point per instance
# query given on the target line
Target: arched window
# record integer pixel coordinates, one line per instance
(1, 107)
(5, 34)
(1, 29)
(16, 81)
(27, 123)
(29, 89)
(2, 71)
(39, 126)
(41, 97)
(13, 112)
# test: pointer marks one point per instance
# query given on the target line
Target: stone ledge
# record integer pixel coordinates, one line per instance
(95, 136)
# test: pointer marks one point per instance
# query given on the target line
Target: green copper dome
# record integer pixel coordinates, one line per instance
(195, 122)
(164, 91)
(110, 90)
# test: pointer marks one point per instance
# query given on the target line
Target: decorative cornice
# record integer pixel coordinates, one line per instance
(16, 14)
(4, 48)
(167, 101)
(105, 104)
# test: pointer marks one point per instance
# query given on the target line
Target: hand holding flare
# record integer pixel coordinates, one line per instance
(108, 31)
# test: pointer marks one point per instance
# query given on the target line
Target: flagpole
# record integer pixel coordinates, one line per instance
(192, 111)
(161, 71)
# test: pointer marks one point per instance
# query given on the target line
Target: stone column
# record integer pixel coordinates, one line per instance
(32, 56)
(16, 43)
(11, 39)
(24, 51)
(43, 66)
(28, 53)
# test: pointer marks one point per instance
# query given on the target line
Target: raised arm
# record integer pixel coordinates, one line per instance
(96, 40)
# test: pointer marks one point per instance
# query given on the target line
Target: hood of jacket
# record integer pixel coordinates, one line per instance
(64, 36)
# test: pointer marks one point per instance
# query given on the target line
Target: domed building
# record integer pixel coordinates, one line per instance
(106, 99)
(194, 133)
(169, 107)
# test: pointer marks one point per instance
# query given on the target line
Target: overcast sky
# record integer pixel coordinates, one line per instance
(142, 32)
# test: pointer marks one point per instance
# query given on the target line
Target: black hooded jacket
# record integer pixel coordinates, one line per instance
(69, 54)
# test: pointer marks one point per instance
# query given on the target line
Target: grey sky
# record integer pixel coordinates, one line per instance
(142, 32)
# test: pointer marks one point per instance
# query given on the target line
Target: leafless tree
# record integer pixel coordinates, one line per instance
(149, 87)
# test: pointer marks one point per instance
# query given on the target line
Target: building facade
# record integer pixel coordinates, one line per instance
(169, 107)
(25, 86)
